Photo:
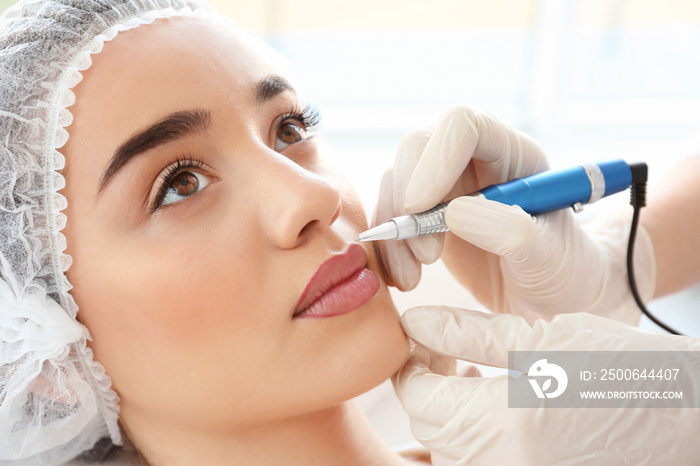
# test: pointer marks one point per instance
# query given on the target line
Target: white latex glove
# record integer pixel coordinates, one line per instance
(510, 261)
(466, 419)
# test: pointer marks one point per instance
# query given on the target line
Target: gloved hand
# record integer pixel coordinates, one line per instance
(510, 261)
(466, 419)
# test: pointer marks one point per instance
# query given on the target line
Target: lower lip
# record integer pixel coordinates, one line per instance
(344, 297)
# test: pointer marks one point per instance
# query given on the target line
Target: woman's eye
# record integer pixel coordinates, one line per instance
(288, 134)
(181, 186)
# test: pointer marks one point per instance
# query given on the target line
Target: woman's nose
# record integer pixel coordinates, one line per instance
(299, 203)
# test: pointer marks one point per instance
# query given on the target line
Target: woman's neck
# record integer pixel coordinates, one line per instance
(339, 435)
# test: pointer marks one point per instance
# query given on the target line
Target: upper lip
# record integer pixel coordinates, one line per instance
(333, 271)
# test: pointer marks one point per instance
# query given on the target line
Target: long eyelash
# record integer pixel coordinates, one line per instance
(167, 176)
(309, 116)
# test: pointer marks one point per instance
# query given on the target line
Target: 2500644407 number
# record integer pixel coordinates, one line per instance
(639, 374)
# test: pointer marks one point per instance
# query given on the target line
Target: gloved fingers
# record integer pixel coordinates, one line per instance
(504, 153)
(408, 154)
(547, 264)
(494, 227)
(441, 364)
(438, 439)
(486, 338)
(426, 249)
(532, 250)
(444, 159)
(468, 335)
(469, 370)
(431, 396)
(471, 335)
(461, 135)
(401, 268)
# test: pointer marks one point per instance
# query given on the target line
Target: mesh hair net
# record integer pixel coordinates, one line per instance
(55, 400)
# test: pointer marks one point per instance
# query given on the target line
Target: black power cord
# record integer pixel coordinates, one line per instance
(638, 193)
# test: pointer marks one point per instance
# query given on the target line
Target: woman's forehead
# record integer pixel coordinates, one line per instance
(186, 57)
(165, 67)
(156, 70)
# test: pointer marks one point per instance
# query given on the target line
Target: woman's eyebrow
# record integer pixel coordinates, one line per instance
(171, 128)
(270, 86)
(180, 124)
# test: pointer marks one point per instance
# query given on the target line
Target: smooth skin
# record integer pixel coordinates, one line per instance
(672, 218)
(191, 307)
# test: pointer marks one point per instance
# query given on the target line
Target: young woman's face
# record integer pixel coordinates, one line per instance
(191, 257)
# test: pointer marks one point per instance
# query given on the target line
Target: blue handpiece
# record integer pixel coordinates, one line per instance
(537, 194)
(557, 189)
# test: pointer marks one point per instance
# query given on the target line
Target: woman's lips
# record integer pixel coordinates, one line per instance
(340, 285)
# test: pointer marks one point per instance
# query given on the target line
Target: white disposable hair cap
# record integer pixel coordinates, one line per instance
(56, 402)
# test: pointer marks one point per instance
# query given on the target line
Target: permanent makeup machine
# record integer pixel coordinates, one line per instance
(538, 194)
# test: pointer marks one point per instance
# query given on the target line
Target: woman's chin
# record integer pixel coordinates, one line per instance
(385, 346)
